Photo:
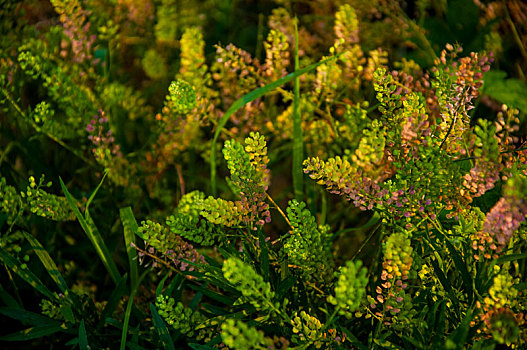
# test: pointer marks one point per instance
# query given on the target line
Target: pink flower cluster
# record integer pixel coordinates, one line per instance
(179, 257)
(101, 139)
(499, 226)
(76, 28)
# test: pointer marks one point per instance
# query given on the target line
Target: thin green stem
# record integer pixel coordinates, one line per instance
(515, 34)
(365, 242)
(298, 142)
(51, 136)
(279, 209)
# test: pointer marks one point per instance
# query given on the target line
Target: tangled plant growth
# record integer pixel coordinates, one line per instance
(351, 175)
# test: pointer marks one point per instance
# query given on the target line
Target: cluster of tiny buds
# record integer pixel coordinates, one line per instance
(100, 138)
(177, 258)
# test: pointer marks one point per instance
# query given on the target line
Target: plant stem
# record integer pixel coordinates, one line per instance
(298, 142)
(279, 209)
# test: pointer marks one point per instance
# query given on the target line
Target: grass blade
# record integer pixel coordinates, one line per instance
(27, 317)
(126, 321)
(298, 138)
(162, 329)
(226, 300)
(510, 257)
(128, 311)
(375, 218)
(458, 338)
(33, 333)
(462, 268)
(264, 256)
(353, 339)
(116, 295)
(25, 274)
(93, 234)
(7, 299)
(83, 337)
(130, 228)
(196, 346)
(47, 261)
(242, 101)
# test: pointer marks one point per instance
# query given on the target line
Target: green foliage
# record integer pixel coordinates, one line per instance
(308, 328)
(238, 335)
(420, 242)
(45, 204)
(349, 288)
(178, 316)
(186, 221)
(249, 283)
(307, 246)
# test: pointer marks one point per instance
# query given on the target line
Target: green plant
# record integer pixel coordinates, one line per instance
(394, 217)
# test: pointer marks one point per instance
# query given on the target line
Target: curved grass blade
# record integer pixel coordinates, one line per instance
(25, 274)
(372, 221)
(7, 299)
(83, 337)
(47, 261)
(162, 329)
(161, 285)
(33, 333)
(93, 234)
(130, 228)
(27, 317)
(242, 101)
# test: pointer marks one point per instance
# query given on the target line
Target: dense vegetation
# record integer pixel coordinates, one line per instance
(279, 174)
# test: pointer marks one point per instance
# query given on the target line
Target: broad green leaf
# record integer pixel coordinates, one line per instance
(27, 317)
(92, 196)
(162, 329)
(93, 234)
(126, 321)
(25, 274)
(7, 299)
(177, 281)
(130, 228)
(83, 337)
(510, 257)
(33, 333)
(48, 263)
(197, 299)
(512, 92)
